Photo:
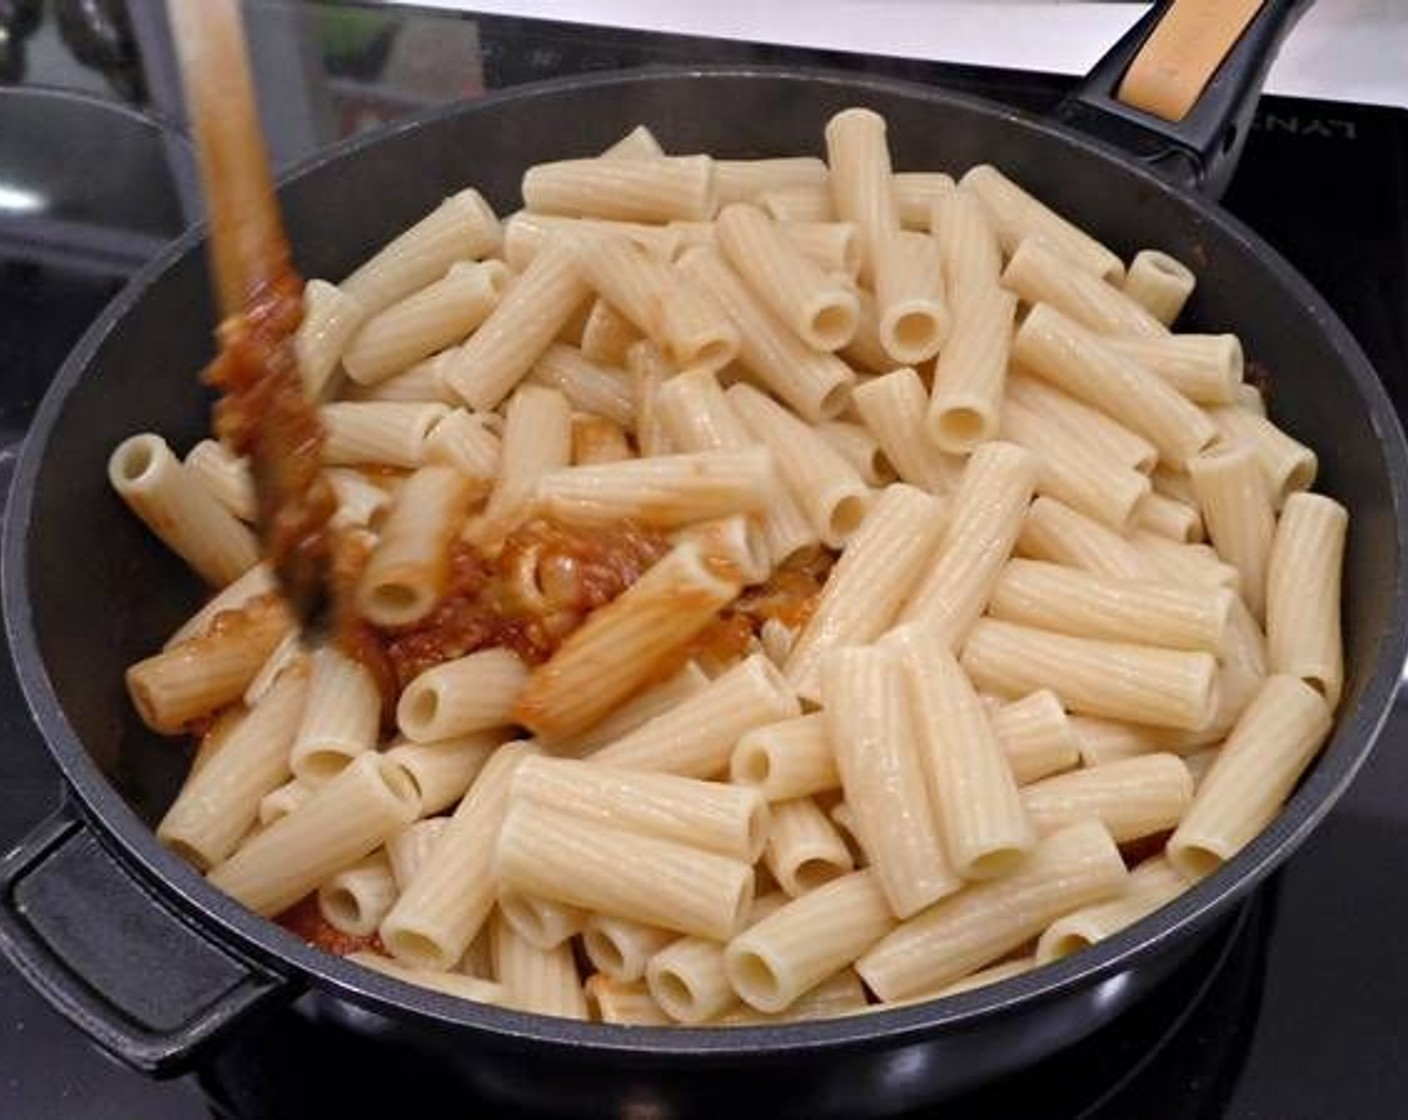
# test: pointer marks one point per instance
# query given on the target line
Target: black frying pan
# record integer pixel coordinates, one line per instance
(129, 942)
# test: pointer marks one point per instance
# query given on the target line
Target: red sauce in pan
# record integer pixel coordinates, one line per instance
(789, 596)
(574, 572)
(304, 919)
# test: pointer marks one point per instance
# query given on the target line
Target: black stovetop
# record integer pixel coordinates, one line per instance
(1300, 1013)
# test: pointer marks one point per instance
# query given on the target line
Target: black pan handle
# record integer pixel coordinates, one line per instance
(114, 960)
(1200, 151)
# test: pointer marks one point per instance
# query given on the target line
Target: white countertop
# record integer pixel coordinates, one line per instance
(1343, 50)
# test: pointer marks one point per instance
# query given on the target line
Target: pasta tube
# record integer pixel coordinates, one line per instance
(804, 850)
(832, 495)
(406, 574)
(343, 821)
(983, 821)
(543, 981)
(1017, 215)
(1069, 601)
(731, 820)
(1040, 274)
(461, 228)
(870, 724)
(1143, 684)
(439, 315)
(471, 693)
(648, 189)
(1303, 593)
(815, 384)
(1161, 284)
(1237, 510)
(1131, 797)
(221, 798)
(785, 760)
(522, 325)
(1152, 884)
(341, 717)
(985, 517)
(201, 674)
(596, 867)
(449, 897)
(820, 310)
(862, 189)
(1075, 867)
(694, 738)
(866, 588)
(774, 961)
(1274, 741)
(666, 491)
(623, 643)
(172, 503)
(1059, 349)
(911, 296)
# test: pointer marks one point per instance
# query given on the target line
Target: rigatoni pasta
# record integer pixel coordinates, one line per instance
(646, 508)
(1040, 274)
(694, 737)
(452, 892)
(221, 799)
(406, 573)
(497, 356)
(876, 572)
(1159, 283)
(986, 516)
(803, 850)
(331, 317)
(226, 476)
(822, 311)
(791, 758)
(190, 520)
(341, 717)
(463, 227)
(1303, 593)
(862, 188)
(1065, 353)
(1075, 867)
(648, 189)
(985, 825)
(870, 722)
(202, 674)
(1121, 680)
(439, 315)
(344, 820)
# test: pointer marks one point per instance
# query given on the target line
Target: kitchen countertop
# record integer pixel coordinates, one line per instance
(1342, 50)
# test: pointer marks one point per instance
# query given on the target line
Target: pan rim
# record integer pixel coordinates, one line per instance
(219, 918)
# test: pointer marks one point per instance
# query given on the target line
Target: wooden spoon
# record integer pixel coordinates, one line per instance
(264, 412)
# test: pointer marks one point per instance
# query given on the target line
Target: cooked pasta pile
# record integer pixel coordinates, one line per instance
(787, 586)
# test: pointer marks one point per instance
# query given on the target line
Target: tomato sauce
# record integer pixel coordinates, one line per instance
(264, 414)
(566, 573)
(789, 596)
(304, 920)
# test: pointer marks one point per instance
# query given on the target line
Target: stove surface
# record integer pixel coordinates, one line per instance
(1301, 1011)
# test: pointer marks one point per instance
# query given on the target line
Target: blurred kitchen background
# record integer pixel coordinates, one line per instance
(337, 69)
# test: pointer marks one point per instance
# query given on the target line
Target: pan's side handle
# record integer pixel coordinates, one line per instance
(1179, 90)
(115, 961)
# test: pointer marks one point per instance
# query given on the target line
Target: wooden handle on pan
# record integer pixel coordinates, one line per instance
(248, 246)
(1180, 57)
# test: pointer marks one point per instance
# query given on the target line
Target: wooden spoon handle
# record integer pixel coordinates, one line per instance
(1180, 57)
(247, 242)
